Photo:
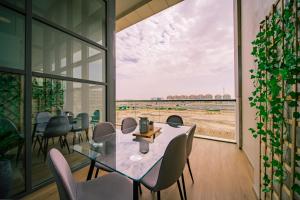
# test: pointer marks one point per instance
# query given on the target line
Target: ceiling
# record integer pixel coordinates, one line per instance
(129, 12)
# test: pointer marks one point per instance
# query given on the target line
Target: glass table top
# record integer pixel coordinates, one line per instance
(120, 152)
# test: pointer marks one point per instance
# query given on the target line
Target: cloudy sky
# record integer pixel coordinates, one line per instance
(186, 49)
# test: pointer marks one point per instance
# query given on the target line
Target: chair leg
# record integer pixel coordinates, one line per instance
(35, 141)
(66, 143)
(87, 134)
(188, 162)
(183, 185)
(20, 147)
(140, 189)
(33, 132)
(41, 146)
(40, 140)
(179, 188)
(158, 195)
(74, 138)
(45, 148)
(80, 139)
(62, 142)
(97, 171)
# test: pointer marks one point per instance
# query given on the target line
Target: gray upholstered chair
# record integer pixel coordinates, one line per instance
(168, 171)
(57, 126)
(129, 124)
(189, 145)
(175, 120)
(111, 186)
(100, 130)
(41, 121)
(80, 123)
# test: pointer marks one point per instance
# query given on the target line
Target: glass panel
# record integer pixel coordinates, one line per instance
(121, 152)
(54, 52)
(86, 18)
(12, 37)
(52, 98)
(12, 173)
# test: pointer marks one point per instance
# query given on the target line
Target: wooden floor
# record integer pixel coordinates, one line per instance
(221, 171)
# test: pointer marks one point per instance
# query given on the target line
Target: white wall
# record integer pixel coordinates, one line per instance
(252, 13)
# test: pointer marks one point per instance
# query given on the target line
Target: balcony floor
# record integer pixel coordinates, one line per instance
(221, 171)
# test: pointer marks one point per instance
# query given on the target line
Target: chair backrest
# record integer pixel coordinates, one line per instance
(189, 143)
(61, 171)
(57, 126)
(70, 115)
(96, 115)
(175, 120)
(41, 120)
(83, 120)
(102, 129)
(129, 124)
(172, 163)
(42, 117)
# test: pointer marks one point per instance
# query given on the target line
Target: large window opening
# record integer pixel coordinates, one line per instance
(180, 61)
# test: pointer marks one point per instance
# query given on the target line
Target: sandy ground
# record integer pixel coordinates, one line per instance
(219, 124)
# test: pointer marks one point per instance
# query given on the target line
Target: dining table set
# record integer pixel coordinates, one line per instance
(142, 153)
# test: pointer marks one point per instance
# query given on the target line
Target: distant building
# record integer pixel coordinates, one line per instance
(193, 97)
(208, 97)
(218, 97)
(156, 98)
(227, 96)
(200, 96)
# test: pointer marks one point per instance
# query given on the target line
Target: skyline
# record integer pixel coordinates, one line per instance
(150, 55)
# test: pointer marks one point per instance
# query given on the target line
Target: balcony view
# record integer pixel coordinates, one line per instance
(167, 75)
(149, 99)
(215, 119)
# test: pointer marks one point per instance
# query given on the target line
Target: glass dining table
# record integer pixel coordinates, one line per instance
(121, 152)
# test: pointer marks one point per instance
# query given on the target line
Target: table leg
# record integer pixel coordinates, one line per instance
(91, 170)
(135, 190)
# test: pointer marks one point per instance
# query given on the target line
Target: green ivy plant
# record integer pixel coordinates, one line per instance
(48, 94)
(273, 77)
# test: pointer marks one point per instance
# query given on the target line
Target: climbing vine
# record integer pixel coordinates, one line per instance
(275, 77)
(48, 94)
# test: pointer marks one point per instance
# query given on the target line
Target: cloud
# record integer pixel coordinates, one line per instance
(186, 49)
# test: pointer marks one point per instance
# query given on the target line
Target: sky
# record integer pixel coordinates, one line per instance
(183, 50)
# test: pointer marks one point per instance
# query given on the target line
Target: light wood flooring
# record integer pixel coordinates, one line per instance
(221, 172)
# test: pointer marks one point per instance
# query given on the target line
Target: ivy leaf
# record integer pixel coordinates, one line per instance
(265, 158)
(296, 115)
(296, 188)
(293, 104)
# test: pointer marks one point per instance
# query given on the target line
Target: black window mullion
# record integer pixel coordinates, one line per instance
(11, 70)
(65, 78)
(28, 95)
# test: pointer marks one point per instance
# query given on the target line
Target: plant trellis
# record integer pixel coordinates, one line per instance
(275, 98)
(11, 98)
(48, 94)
